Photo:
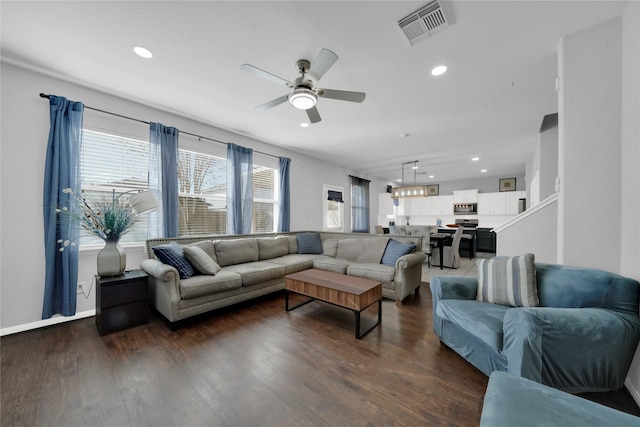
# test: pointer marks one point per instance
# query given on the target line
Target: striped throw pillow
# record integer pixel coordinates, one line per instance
(508, 281)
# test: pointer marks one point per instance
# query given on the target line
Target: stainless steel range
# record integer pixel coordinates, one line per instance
(467, 223)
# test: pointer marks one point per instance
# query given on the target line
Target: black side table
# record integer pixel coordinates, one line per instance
(121, 301)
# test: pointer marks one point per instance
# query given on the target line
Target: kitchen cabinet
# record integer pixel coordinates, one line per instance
(385, 204)
(485, 240)
(440, 205)
(465, 196)
(419, 206)
(503, 203)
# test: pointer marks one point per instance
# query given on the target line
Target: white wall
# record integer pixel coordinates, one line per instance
(25, 127)
(590, 100)
(630, 185)
(535, 232)
(599, 152)
(548, 162)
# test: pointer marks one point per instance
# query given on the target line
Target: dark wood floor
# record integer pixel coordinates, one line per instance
(252, 365)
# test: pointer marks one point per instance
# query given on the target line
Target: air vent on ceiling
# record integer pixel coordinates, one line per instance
(426, 21)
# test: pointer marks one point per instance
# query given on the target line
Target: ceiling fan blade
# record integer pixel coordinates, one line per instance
(321, 64)
(342, 95)
(314, 116)
(265, 75)
(272, 103)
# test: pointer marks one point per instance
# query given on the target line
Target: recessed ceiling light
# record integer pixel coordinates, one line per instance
(304, 125)
(432, 176)
(475, 159)
(439, 70)
(398, 180)
(142, 52)
(483, 170)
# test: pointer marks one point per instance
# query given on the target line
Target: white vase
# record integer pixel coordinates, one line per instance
(112, 259)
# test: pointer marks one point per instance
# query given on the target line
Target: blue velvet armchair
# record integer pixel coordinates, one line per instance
(581, 337)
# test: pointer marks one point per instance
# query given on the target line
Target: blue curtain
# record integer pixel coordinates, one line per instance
(239, 189)
(163, 180)
(62, 170)
(359, 205)
(284, 207)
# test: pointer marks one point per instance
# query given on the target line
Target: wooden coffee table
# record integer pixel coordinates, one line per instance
(354, 293)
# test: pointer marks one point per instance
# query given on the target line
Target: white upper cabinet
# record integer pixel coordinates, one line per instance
(420, 206)
(465, 196)
(440, 205)
(503, 203)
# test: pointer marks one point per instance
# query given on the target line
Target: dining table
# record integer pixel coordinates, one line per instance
(441, 240)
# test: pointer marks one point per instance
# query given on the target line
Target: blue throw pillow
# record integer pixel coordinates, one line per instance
(172, 254)
(395, 250)
(309, 243)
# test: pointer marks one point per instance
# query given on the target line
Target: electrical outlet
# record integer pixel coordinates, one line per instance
(81, 286)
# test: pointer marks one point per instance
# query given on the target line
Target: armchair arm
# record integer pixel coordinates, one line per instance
(450, 287)
(454, 287)
(572, 349)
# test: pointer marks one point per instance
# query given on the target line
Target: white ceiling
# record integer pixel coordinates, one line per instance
(501, 80)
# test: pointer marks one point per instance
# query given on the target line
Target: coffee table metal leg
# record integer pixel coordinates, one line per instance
(286, 302)
(357, 313)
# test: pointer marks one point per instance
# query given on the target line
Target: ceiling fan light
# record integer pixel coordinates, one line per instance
(303, 99)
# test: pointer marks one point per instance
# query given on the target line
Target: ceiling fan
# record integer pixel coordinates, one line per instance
(305, 93)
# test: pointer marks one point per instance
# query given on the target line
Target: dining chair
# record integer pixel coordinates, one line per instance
(450, 254)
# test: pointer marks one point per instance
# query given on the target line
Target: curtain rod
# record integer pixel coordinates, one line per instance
(42, 95)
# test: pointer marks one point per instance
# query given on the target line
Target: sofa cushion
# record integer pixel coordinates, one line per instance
(293, 243)
(200, 260)
(270, 248)
(377, 272)
(508, 281)
(309, 243)
(395, 250)
(563, 286)
(207, 246)
(481, 319)
(294, 262)
(328, 263)
(198, 286)
(236, 251)
(330, 247)
(172, 254)
(362, 249)
(257, 272)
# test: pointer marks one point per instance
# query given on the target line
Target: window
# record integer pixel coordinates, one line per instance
(202, 193)
(359, 205)
(333, 212)
(265, 203)
(112, 165)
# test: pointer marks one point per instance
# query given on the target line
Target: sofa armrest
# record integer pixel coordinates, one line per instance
(157, 269)
(164, 287)
(571, 349)
(408, 274)
(409, 260)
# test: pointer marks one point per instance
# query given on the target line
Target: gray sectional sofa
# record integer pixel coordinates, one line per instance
(254, 265)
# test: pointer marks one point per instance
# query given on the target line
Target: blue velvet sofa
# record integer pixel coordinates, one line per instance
(516, 401)
(581, 337)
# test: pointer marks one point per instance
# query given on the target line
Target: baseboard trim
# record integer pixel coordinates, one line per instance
(635, 393)
(47, 322)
